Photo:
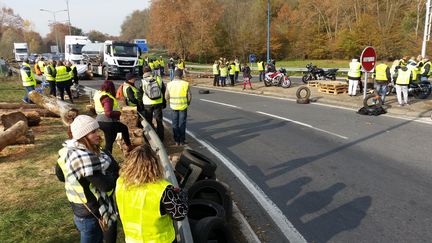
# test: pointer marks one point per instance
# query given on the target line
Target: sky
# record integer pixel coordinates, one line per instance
(105, 16)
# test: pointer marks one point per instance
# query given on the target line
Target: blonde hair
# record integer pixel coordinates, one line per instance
(141, 166)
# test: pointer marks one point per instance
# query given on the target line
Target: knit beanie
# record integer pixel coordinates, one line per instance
(83, 125)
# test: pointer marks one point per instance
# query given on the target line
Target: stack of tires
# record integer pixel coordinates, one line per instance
(210, 203)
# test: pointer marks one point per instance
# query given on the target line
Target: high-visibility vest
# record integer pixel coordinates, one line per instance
(140, 62)
(61, 74)
(354, 70)
(27, 80)
(380, 72)
(48, 76)
(403, 76)
(216, 69)
(177, 90)
(151, 65)
(414, 70)
(139, 210)
(156, 64)
(237, 67)
(41, 65)
(74, 190)
(422, 70)
(260, 66)
(126, 85)
(393, 70)
(71, 75)
(180, 65)
(98, 104)
(232, 69)
(224, 71)
(161, 62)
(147, 100)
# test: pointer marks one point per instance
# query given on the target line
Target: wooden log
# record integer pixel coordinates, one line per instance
(11, 118)
(33, 118)
(17, 106)
(10, 135)
(66, 111)
(27, 138)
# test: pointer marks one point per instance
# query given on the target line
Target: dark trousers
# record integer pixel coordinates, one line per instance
(110, 130)
(236, 76)
(179, 125)
(222, 81)
(65, 86)
(216, 80)
(155, 111)
(52, 86)
(162, 71)
(261, 76)
(232, 79)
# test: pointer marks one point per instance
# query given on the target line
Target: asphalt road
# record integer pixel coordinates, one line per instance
(334, 175)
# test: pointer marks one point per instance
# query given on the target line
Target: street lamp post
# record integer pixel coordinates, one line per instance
(67, 5)
(268, 31)
(55, 22)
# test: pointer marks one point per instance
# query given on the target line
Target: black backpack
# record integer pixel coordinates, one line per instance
(152, 90)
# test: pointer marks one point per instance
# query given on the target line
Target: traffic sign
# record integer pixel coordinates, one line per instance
(252, 58)
(368, 59)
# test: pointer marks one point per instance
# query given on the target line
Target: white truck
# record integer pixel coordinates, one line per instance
(111, 58)
(20, 51)
(73, 47)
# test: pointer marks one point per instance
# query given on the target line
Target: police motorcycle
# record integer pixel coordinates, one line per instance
(314, 72)
(278, 78)
(420, 90)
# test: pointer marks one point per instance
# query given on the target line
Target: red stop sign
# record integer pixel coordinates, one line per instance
(368, 59)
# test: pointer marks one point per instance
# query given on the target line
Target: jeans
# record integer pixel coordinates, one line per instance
(155, 111)
(179, 125)
(171, 72)
(216, 80)
(28, 89)
(89, 229)
(381, 90)
(261, 76)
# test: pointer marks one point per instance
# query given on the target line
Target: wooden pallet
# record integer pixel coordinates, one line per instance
(313, 83)
(333, 85)
(334, 91)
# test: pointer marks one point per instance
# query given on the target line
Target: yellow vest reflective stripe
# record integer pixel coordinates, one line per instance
(181, 65)
(232, 69)
(422, 70)
(237, 67)
(381, 74)
(140, 62)
(98, 104)
(147, 100)
(260, 66)
(27, 80)
(48, 76)
(61, 74)
(178, 94)
(74, 190)
(41, 65)
(224, 72)
(354, 70)
(215, 69)
(125, 87)
(139, 209)
(403, 76)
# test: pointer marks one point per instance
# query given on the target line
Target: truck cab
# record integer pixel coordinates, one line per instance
(119, 59)
(73, 47)
(20, 51)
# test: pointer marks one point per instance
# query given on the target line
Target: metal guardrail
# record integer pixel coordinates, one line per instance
(293, 69)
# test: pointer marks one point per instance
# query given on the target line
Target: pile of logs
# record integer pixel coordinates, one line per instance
(130, 118)
(16, 129)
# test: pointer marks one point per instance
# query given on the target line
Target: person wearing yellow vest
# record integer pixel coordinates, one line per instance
(28, 79)
(223, 74)
(146, 202)
(382, 79)
(63, 80)
(425, 69)
(403, 79)
(171, 68)
(153, 102)
(231, 69)
(161, 66)
(140, 66)
(216, 73)
(181, 65)
(108, 116)
(179, 97)
(90, 177)
(237, 70)
(50, 74)
(260, 65)
(131, 93)
(156, 69)
(354, 75)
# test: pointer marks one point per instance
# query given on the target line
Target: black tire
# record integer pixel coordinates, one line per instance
(204, 91)
(202, 208)
(299, 92)
(370, 97)
(267, 83)
(190, 156)
(333, 77)
(306, 78)
(286, 82)
(303, 101)
(213, 190)
(212, 229)
(425, 93)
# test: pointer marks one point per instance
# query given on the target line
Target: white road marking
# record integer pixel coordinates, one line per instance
(220, 103)
(302, 124)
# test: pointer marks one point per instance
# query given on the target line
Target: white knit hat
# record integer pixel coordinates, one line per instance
(83, 125)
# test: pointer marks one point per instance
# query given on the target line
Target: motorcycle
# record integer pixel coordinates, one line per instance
(314, 72)
(279, 78)
(420, 90)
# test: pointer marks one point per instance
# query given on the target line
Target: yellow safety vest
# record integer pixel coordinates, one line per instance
(151, 65)
(260, 66)
(48, 76)
(177, 90)
(27, 80)
(98, 104)
(41, 65)
(237, 67)
(380, 72)
(162, 63)
(354, 70)
(139, 210)
(232, 69)
(224, 72)
(422, 70)
(140, 62)
(61, 74)
(125, 86)
(414, 71)
(147, 100)
(403, 76)
(216, 69)
(71, 75)
(181, 65)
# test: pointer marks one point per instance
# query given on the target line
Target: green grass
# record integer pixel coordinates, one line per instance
(11, 89)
